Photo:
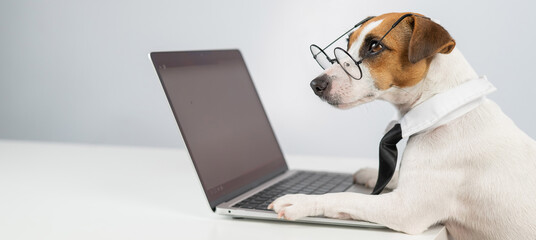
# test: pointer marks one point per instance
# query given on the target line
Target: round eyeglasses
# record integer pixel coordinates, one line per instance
(343, 58)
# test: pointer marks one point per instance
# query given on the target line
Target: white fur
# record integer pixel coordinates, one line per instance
(475, 174)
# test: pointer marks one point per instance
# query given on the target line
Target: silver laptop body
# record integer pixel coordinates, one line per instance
(226, 131)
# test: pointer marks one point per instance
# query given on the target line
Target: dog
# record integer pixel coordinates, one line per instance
(476, 174)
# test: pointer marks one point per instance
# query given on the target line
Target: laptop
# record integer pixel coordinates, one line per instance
(230, 141)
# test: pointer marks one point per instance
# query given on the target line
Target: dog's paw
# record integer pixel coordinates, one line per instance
(296, 206)
(369, 176)
(366, 176)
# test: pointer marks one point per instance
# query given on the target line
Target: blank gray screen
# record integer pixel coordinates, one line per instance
(221, 118)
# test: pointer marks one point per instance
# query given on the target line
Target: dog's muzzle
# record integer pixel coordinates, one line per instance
(320, 85)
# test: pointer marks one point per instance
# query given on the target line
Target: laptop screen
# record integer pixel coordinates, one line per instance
(221, 120)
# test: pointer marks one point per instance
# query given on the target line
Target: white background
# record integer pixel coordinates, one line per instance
(78, 71)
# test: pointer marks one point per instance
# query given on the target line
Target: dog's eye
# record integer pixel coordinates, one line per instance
(375, 47)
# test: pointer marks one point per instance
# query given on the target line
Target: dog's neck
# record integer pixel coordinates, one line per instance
(445, 72)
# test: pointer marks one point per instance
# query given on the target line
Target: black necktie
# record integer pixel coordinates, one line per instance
(388, 157)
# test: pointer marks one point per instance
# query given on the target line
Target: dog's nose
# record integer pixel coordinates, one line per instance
(319, 84)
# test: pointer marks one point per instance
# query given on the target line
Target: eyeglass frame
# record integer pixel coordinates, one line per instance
(357, 63)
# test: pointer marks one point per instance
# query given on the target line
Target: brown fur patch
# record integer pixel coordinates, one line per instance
(394, 66)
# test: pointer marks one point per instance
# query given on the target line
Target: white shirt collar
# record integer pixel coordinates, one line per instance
(446, 106)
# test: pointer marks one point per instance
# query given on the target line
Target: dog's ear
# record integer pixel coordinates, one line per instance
(427, 39)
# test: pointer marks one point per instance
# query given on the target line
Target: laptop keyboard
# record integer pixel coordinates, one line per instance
(301, 182)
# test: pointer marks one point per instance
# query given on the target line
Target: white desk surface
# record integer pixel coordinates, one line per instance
(73, 191)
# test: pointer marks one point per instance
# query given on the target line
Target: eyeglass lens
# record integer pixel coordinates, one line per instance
(348, 64)
(320, 56)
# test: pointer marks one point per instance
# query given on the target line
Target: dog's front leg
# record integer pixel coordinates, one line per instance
(398, 211)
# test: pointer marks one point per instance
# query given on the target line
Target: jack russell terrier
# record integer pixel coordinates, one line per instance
(466, 164)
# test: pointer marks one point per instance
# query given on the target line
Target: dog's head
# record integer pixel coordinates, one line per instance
(400, 60)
